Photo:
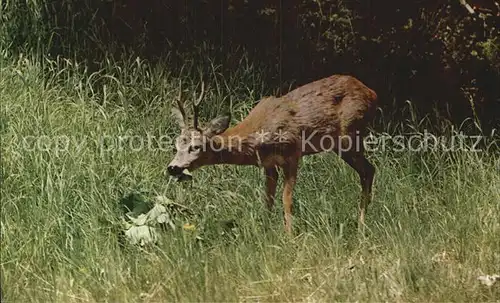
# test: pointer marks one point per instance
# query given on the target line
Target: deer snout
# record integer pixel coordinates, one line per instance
(174, 170)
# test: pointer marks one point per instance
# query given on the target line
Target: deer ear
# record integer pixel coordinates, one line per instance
(217, 126)
(178, 117)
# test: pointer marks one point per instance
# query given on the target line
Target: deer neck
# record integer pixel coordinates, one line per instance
(233, 148)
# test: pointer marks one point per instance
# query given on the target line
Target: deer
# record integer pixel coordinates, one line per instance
(328, 115)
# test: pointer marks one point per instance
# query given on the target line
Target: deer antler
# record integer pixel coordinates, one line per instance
(196, 104)
(180, 106)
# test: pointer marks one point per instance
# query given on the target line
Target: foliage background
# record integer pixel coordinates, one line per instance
(434, 53)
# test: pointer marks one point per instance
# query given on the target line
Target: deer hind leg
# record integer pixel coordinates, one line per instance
(366, 172)
(271, 182)
(290, 175)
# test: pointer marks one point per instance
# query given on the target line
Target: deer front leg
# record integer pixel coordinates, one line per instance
(271, 182)
(290, 174)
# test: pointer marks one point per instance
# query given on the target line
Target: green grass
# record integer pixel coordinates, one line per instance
(433, 226)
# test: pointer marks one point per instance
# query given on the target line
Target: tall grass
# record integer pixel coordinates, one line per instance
(433, 226)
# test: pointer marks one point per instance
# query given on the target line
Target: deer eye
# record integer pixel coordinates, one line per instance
(194, 148)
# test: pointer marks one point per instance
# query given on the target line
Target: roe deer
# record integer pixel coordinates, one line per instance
(330, 114)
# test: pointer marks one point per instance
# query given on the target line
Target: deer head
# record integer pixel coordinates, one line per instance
(193, 144)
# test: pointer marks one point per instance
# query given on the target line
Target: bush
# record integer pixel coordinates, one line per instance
(433, 53)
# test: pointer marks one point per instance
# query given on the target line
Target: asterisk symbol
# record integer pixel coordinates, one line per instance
(262, 135)
(281, 136)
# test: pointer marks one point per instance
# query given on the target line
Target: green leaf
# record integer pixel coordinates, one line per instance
(141, 224)
(135, 204)
(142, 235)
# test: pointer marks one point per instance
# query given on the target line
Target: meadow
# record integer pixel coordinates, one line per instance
(74, 144)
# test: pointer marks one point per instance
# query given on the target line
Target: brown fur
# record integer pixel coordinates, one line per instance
(338, 106)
